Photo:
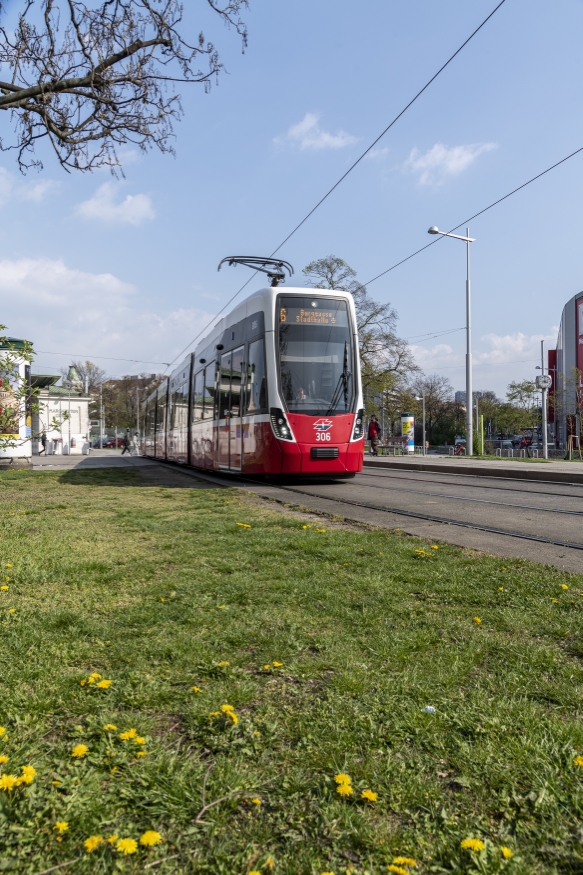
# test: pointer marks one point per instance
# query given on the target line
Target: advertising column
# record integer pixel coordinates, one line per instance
(408, 431)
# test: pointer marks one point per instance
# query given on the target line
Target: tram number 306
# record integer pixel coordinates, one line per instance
(323, 436)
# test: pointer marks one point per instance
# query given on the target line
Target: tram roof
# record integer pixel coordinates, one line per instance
(260, 301)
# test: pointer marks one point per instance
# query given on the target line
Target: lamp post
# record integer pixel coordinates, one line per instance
(469, 424)
(422, 398)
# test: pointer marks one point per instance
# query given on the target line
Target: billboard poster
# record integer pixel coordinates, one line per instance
(408, 432)
(9, 425)
(579, 353)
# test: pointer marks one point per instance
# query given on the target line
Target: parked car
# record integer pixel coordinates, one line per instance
(112, 443)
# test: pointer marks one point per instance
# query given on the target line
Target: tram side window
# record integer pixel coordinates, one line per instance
(210, 392)
(161, 413)
(197, 406)
(256, 378)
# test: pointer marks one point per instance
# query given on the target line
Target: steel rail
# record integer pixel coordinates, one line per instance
(213, 478)
(481, 478)
(481, 500)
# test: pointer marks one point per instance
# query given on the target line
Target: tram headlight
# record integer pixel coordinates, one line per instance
(280, 425)
(358, 429)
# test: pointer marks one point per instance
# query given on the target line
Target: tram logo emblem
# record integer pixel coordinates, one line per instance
(322, 425)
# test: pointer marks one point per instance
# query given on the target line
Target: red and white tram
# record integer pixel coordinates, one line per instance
(273, 390)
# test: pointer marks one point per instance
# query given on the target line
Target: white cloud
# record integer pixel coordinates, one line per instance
(104, 206)
(63, 310)
(441, 162)
(497, 359)
(15, 188)
(307, 134)
(377, 154)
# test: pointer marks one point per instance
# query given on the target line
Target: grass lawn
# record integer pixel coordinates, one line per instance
(254, 655)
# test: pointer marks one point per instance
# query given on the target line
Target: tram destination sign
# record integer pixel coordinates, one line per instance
(313, 316)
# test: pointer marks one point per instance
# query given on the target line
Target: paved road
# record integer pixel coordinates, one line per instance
(430, 504)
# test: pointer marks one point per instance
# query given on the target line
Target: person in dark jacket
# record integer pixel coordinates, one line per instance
(374, 434)
(126, 443)
(43, 440)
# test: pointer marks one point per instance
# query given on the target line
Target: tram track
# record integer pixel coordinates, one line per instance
(479, 500)
(225, 480)
(478, 481)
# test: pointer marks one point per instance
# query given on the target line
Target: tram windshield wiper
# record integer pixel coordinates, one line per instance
(341, 385)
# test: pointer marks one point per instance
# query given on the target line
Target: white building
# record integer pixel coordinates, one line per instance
(63, 416)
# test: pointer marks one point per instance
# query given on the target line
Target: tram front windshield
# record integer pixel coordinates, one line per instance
(315, 355)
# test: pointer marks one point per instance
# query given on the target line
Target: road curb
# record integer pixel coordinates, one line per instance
(480, 470)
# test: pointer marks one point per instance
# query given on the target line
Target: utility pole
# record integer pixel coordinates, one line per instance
(101, 416)
(544, 401)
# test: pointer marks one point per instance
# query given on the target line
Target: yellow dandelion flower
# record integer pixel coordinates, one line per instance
(270, 862)
(256, 801)
(477, 620)
(79, 750)
(306, 527)
(9, 565)
(139, 740)
(104, 684)
(255, 872)
(90, 680)
(420, 551)
(405, 861)
(129, 733)
(111, 840)
(564, 586)
(2, 731)
(556, 601)
(233, 717)
(3, 759)
(344, 790)
(109, 727)
(398, 870)
(28, 774)
(222, 607)
(196, 690)
(12, 611)
(150, 837)
(244, 525)
(500, 589)
(341, 778)
(327, 873)
(277, 664)
(56, 783)
(507, 853)
(472, 845)
(8, 782)
(95, 675)
(578, 761)
(4, 588)
(142, 753)
(92, 842)
(215, 714)
(126, 846)
(227, 708)
(223, 664)
(370, 795)
(162, 600)
(434, 547)
(61, 826)
(83, 682)
(322, 531)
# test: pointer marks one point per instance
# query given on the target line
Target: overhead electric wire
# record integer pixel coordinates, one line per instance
(105, 357)
(475, 216)
(344, 175)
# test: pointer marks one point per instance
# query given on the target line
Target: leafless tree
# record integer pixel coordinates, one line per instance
(90, 77)
(384, 355)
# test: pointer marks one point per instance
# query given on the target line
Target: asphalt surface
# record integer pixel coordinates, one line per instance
(509, 517)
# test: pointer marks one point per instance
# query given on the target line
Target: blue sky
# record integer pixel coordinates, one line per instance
(127, 269)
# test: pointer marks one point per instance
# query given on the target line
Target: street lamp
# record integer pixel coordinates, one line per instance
(469, 424)
(422, 398)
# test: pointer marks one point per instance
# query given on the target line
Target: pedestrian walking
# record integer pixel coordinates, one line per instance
(136, 445)
(126, 443)
(374, 434)
(43, 440)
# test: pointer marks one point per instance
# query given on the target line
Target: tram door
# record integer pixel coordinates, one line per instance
(230, 430)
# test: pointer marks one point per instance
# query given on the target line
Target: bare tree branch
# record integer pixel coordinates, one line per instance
(92, 77)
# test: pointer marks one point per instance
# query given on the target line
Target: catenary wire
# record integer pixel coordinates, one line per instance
(104, 357)
(475, 216)
(344, 175)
